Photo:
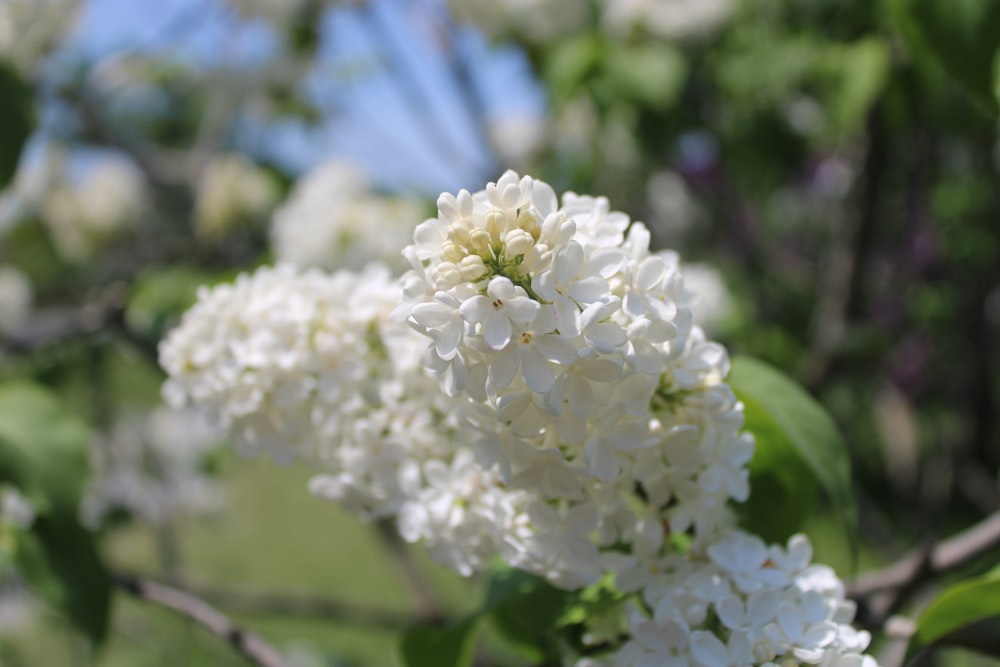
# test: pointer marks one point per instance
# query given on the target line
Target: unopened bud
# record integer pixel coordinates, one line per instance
(518, 242)
(451, 252)
(496, 223)
(527, 221)
(472, 268)
(480, 241)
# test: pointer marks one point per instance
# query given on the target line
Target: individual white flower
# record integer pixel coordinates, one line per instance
(503, 307)
(15, 300)
(231, 189)
(334, 220)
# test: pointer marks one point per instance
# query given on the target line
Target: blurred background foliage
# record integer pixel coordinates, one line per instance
(830, 168)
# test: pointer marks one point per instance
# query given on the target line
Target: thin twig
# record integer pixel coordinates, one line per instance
(285, 604)
(918, 565)
(247, 643)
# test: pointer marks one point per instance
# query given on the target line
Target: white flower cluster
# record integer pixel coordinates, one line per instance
(29, 28)
(231, 189)
(152, 464)
(108, 200)
(590, 390)
(15, 300)
(15, 509)
(584, 426)
(537, 21)
(584, 377)
(334, 220)
(673, 19)
(740, 603)
(532, 20)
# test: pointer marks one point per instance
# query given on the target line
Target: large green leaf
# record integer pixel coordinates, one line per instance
(966, 614)
(526, 610)
(17, 120)
(798, 446)
(453, 645)
(43, 448)
(961, 36)
(862, 72)
(43, 452)
(60, 561)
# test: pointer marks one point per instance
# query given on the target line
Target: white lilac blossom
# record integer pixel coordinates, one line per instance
(308, 365)
(740, 603)
(15, 300)
(153, 466)
(104, 203)
(534, 388)
(231, 189)
(578, 366)
(334, 220)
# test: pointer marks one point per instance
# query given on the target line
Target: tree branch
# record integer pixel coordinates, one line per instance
(918, 565)
(247, 643)
(304, 606)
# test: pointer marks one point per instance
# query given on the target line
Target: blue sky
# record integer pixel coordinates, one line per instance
(408, 124)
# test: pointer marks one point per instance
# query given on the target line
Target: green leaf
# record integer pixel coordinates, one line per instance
(966, 614)
(797, 445)
(452, 646)
(862, 73)
(526, 610)
(17, 120)
(650, 74)
(60, 561)
(570, 62)
(43, 448)
(161, 295)
(960, 36)
(43, 452)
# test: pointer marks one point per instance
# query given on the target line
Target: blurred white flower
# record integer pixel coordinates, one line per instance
(710, 302)
(18, 607)
(231, 189)
(532, 20)
(517, 138)
(673, 19)
(153, 465)
(29, 28)
(15, 300)
(107, 200)
(15, 509)
(673, 208)
(334, 220)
